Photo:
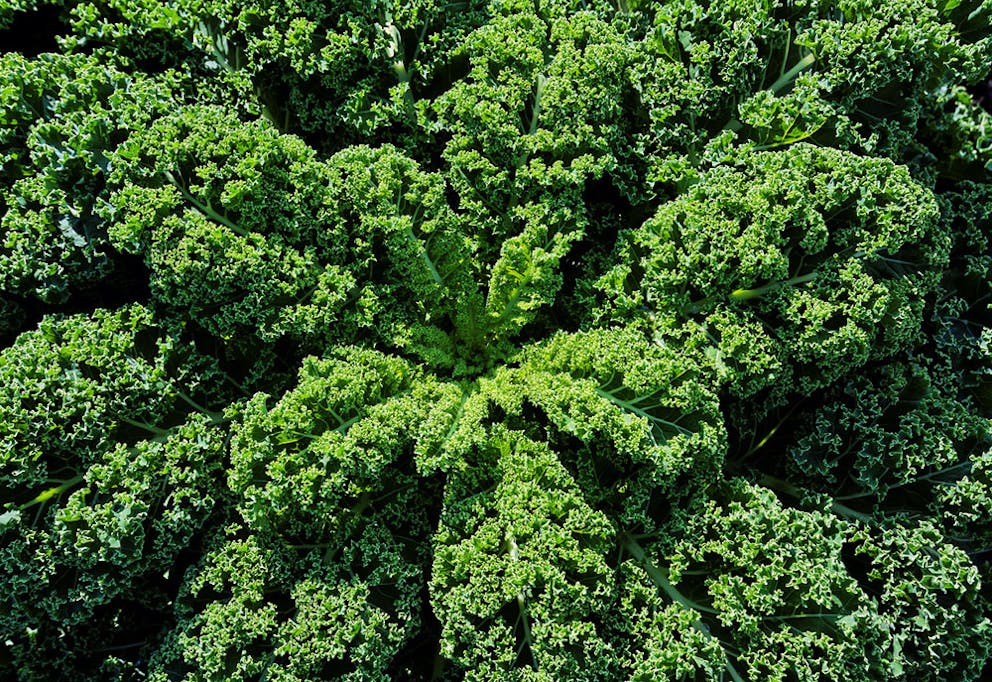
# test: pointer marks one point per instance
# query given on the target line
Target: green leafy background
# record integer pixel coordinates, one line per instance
(495, 340)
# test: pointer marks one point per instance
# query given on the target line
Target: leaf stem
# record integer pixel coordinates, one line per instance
(205, 209)
(790, 75)
(659, 575)
(748, 294)
(45, 495)
(796, 493)
(522, 604)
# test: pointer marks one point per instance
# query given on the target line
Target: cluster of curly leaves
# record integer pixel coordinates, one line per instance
(496, 340)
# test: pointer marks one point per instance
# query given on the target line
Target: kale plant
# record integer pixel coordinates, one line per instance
(534, 340)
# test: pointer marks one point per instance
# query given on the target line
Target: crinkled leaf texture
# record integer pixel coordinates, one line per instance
(496, 340)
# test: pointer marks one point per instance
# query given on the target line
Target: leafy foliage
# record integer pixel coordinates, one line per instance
(822, 254)
(496, 340)
(62, 115)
